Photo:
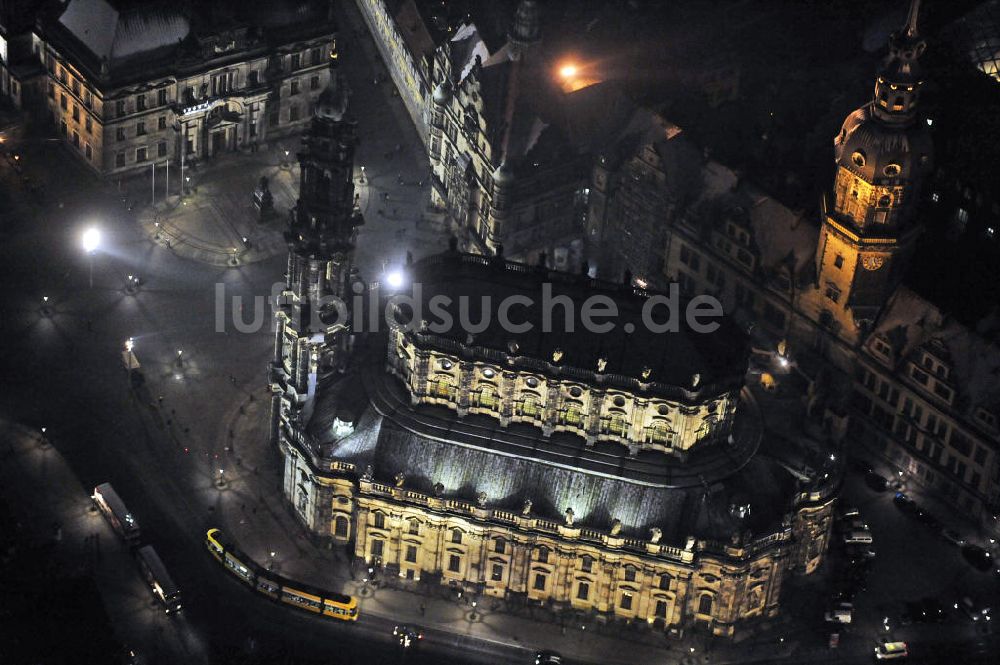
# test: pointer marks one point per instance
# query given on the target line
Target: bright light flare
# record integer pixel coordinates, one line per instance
(91, 240)
(567, 71)
(395, 279)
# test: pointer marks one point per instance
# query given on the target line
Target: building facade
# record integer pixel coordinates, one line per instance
(129, 86)
(837, 292)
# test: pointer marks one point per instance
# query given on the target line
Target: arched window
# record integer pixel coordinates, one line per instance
(705, 604)
(341, 526)
(456, 536)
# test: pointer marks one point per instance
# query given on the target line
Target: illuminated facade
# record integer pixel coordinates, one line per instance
(837, 291)
(616, 472)
(174, 84)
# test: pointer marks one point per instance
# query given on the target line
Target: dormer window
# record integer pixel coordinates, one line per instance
(858, 158)
(882, 348)
(892, 170)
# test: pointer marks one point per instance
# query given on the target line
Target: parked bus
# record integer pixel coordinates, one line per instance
(123, 522)
(158, 579)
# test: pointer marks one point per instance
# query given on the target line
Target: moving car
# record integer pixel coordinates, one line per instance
(548, 658)
(847, 512)
(891, 651)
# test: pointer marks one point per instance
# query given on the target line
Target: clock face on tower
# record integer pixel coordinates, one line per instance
(872, 262)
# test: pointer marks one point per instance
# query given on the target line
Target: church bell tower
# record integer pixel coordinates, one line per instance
(312, 333)
(883, 154)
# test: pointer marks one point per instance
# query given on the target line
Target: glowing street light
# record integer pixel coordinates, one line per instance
(395, 279)
(567, 71)
(91, 241)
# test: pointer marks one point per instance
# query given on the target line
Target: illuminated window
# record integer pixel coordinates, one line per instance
(858, 158)
(892, 169)
(496, 573)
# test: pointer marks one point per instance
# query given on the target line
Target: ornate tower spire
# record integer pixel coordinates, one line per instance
(310, 341)
(883, 155)
(525, 32)
(897, 88)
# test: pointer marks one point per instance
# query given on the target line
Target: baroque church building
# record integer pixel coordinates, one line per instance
(625, 473)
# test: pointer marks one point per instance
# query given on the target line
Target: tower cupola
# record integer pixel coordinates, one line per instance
(897, 87)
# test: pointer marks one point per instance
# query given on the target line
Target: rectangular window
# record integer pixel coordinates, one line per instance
(76, 139)
(626, 603)
(411, 554)
(378, 546)
(63, 128)
(76, 113)
(161, 122)
(314, 56)
(252, 78)
(273, 118)
(293, 113)
(140, 154)
(629, 574)
(161, 97)
(120, 160)
(454, 563)
(120, 108)
(140, 103)
(832, 293)
(161, 149)
(88, 99)
(120, 133)
(62, 100)
(587, 564)
(89, 125)
(88, 151)
(540, 580)
(314, 83)
(296, 61)
(294, 87)
(583, 591)
(140, 128)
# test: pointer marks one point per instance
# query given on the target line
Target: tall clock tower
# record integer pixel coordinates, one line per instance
(312, 333)
(883, 154)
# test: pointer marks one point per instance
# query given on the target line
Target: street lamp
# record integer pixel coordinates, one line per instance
(395, 278)
(91, 241)
(362, 174)
(180, 357)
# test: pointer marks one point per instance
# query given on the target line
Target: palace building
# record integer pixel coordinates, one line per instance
(130, 84)
(623, 470)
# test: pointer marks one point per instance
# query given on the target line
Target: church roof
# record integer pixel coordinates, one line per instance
(601, 483)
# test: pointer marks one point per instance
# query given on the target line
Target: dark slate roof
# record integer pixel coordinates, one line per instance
(718, 358)
(430, 445)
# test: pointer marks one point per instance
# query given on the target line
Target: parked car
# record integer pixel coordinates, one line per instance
(858, 537)
(974, 610)
(904, 503)
(847, 512)
(952, 537)
(876, 482)
(978, 557)
(840, 613)
(860, 552)
(891, 650)
(854, 524)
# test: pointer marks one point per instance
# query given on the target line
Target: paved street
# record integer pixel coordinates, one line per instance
(200, 413)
